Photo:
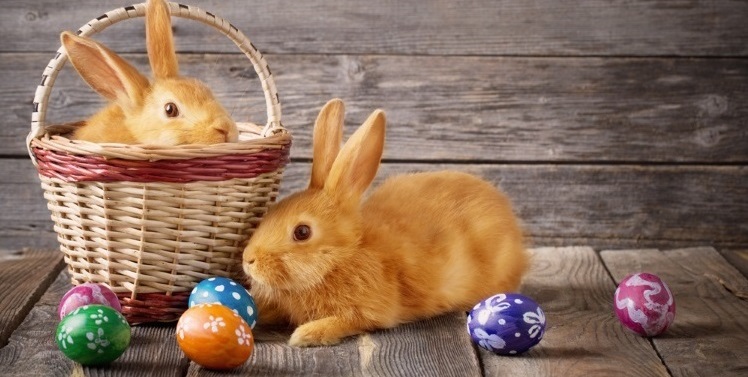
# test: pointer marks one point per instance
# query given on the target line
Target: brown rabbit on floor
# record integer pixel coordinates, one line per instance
(420, 245)
(172, 110)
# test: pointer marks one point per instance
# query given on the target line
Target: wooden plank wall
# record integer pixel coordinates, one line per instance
(610, 123)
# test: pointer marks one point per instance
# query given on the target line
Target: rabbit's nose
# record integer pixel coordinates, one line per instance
(247, 267)
(248, 261)
(227, 131)
(249, 256)
(223, 131)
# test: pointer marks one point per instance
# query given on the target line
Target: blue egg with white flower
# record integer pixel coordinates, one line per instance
(228, 293)
(506, 324)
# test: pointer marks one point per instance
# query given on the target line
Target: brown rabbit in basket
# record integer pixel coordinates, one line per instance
(171, 110)
(420, 245)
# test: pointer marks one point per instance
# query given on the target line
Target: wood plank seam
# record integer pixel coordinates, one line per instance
(657, 351)
(594, 206)
(527, 109)
(709, 334)
(741, 295)
(634, 28)
(583, 336)
(481, 364)
(650, 340)
(39, 289)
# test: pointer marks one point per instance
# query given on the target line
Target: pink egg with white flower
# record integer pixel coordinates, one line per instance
(87, 294)
(644, 304)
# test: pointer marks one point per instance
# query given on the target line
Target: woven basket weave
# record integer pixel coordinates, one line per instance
(151, 221)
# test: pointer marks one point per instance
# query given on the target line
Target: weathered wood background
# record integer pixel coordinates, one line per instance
(610, 123)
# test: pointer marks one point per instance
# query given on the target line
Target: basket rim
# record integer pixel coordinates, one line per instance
(148, 152)
(273, 131)
(86, 168)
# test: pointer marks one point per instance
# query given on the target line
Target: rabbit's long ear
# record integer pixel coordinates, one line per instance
(328, 135)
(358, 161)
(106, 72)
(159, 40)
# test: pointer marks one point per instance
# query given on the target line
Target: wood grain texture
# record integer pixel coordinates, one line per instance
(416, 349)
(36, 235)
(605, 204)
(32, 351)
(460, 108)
(710, 335)
(443, 27)
(436, 347)
(738, 259)
(153, 351)
(611, 202)
(24, 277)
(583, 336)
(274, 357)
(25, 220)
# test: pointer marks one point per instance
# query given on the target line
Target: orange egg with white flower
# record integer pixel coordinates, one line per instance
(214, 336)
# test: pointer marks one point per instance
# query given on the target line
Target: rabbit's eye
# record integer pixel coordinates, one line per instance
(302, 232)
(171, 110)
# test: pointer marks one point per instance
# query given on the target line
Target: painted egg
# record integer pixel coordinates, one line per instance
(214, 336)
(93, 335)
(227, 293)
(506, 324)
(87, 294)
(644, 304)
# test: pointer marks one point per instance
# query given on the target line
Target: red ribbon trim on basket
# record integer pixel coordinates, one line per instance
(84, 168)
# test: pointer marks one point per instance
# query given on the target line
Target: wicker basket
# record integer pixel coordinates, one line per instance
(148, 221)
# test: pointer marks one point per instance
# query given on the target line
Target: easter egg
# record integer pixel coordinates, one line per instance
(227, 293)
(93, 335)
(87, 294)
(214, 336)
(506, 324)
(644, 304)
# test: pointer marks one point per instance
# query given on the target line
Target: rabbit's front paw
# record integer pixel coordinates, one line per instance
(322, 332)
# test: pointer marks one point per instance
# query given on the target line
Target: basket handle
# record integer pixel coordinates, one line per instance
(272, 100)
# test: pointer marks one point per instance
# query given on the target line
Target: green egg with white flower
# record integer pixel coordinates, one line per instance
(93, 335)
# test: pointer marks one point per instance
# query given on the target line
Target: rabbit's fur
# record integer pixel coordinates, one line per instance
(138, 113)
(419, 245)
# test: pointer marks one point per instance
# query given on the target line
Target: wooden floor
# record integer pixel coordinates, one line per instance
(574, 285)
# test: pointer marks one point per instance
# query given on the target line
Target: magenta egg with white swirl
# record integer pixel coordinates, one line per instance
(87, 294)
(644, 304)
